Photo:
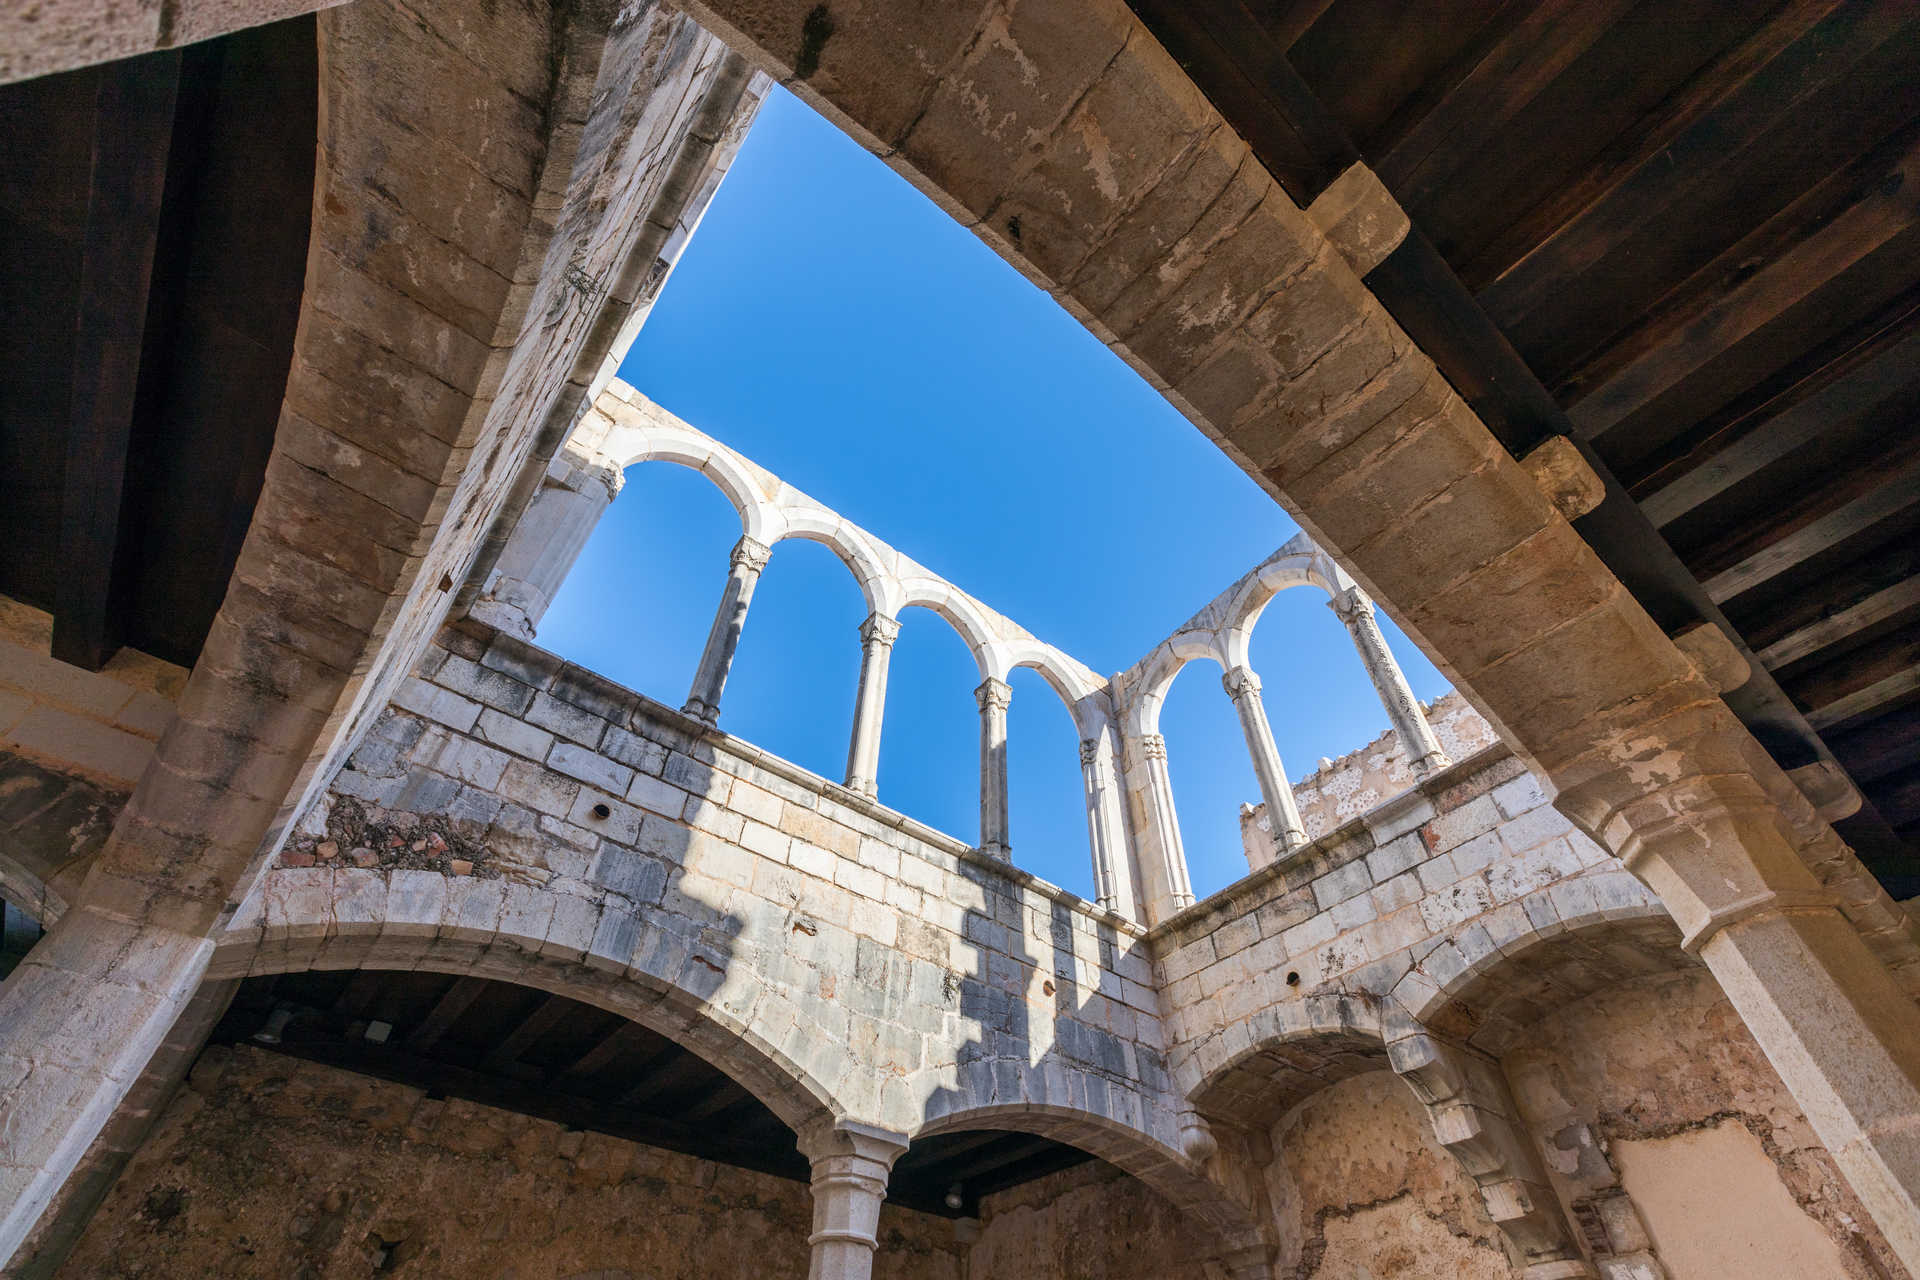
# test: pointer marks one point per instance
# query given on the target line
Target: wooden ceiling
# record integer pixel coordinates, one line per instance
(546, 1055)
(153, 241)
(1687, 234)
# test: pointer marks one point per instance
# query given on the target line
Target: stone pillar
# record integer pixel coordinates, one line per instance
(993, 695)
(877, 635)
(1283, 815)
(1106, 831)
(748, 559)
(1403, 709)
(850, 1166)
(80, 1019)
(543, 546)
(1833, 1022)
(1153, 750)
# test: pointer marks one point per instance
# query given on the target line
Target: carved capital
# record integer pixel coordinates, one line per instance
(750, 553)
(993, 694)
(1352, 605)
(1240, 681)
(1089, 751)
(1153, 746)
(880, 629)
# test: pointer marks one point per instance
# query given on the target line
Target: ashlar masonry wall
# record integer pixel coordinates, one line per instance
(517, 817)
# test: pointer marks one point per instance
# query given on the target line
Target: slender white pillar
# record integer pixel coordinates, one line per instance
(748, 559)
(994, 696)
(1113, 882)
(1283, 815)
(543, 546)
(1153, 749)
(1403, 709)
(877, 635)
(850, 1167)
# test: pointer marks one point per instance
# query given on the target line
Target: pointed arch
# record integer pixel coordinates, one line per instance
(746, 486)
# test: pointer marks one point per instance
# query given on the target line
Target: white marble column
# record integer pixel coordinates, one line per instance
(877, 635)
(748, 559)
(1283, 815)
(1403, 709)
(993, 695)
(543, 546)
(1106, 831)
(1153, 749)
(850, 1167)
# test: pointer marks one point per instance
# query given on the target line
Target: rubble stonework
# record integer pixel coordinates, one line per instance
(1480, 1008)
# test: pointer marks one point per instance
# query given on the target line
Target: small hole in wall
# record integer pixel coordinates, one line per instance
(1293, 979)
(602, 811)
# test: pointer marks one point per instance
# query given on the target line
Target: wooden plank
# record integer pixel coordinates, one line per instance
(133, 138)
(1874, 236)
(1887, 658)
(1502, 80)
(1889, 372)
(457, 999)
(1897, 492)
(1885, 745)
(1724, 172)
(622, 1039)
(1867, 701)
(506, 1052)
(1875, 609)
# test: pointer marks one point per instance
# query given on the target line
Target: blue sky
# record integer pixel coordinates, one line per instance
(833, 325)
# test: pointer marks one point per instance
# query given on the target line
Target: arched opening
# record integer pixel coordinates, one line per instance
(930, 745)
(638, 602)
(1319, 697)
(1211, 772)
(793, 682)
(1046, 794)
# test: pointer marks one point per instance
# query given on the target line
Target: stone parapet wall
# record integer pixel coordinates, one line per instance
(1419, 900)
(904, 978)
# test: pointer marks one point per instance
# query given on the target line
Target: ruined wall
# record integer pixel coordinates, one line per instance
(1341, 790)
(1666, 1130)
(1360, 1187)
(1090, 1223)
(268, 1166)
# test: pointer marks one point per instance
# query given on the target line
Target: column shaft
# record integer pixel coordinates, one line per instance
(1403, 709)
(877, 635)
(1283, 815)
(994, 696)
(1173, 849)
(1113, 882)
(723, 640)
(543, 546)
(850, 1167)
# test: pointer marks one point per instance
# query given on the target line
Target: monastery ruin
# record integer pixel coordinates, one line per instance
(348, 931)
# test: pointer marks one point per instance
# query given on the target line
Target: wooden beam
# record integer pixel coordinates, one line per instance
(1875, 609)
(622, 1039)
(1886, 745)
(1868, 701)
(658, 1077)
(1867, 246)
(446, 1011)
(133, 138)
(506, 1052)
(1897, 492)
(1877, 380)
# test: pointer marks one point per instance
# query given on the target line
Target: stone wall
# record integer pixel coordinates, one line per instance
(1341, 790)
(268, 1166)
(1360, 1187)
(1665, 1129)
(1090, 1222)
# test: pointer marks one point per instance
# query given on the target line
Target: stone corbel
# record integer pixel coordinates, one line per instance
(1714, 656)
(1474, 1118)
(1564, 477)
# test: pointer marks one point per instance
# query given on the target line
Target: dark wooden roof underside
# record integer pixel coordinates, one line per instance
(1687, 234)
(545, 1055)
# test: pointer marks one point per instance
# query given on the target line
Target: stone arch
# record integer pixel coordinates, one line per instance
(1161, 668)
(298, 925)
(743, 484)
(1150, 1157)
(1614, 930)
(814, 524)
(1294, 566)
(1294, 1050)
(960, 612)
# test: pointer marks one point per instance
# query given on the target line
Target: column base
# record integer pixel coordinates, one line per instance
(995, 849)
(700, 711)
